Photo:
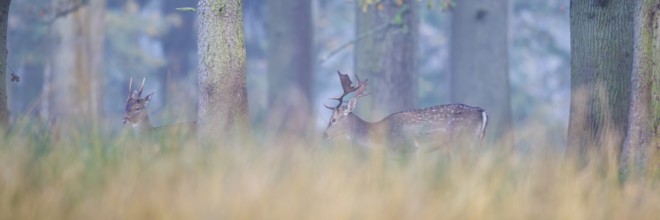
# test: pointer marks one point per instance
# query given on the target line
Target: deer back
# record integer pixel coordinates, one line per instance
(441, 123)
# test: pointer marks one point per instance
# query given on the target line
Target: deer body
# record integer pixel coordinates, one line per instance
(427, 128)
(142, 126)
(442, 124)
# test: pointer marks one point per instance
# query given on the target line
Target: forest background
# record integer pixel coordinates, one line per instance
(570, 87)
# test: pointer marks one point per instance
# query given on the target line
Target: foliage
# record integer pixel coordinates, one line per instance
(186, 9)
(540, 66)
(27, 31)
(130, 38)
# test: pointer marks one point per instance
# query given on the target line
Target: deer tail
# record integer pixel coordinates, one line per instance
(484, 123)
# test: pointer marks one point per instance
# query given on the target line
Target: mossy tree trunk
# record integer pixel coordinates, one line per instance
(641, 146)
(223, 106)
(601, 62)
(479, 63)
(290, 67)
(387, 55)
(4, 108)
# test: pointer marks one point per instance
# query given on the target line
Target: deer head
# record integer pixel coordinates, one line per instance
(338, 124)
(136, 105)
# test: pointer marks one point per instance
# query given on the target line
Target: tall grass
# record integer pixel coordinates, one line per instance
(97, 176)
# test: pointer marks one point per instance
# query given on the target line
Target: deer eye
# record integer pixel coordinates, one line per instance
(334, 120)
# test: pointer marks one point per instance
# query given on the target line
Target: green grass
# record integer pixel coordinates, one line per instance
(83, 176)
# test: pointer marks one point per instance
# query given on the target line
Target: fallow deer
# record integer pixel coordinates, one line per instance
(426, 129)
(137, 116)
(136, 109)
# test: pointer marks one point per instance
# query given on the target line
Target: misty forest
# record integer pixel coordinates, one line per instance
(319, 109)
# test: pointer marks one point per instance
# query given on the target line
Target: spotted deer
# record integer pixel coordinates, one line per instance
(138, 117)
(426, 129)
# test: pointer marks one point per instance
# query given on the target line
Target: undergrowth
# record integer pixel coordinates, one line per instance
(92, 175)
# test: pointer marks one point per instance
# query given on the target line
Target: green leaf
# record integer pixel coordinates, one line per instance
(186, 9)
(398, 19)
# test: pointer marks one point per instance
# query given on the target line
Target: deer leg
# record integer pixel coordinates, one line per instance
(437, 149)
(418, 149)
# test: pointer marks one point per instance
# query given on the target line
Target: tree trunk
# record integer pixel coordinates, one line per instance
(4, 109)
(78, 65)
(601, 62)
(223, 108)
(387, 55)
(91, 20)
(290, 67)
(641, 139)
(64, 104)
(479, 64)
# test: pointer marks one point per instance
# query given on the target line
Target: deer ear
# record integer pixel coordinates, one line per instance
(350, 106)
(147, 98)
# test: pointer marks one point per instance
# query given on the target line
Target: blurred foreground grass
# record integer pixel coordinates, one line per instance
(102, 177)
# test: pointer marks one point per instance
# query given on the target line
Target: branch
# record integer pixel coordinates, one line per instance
(353, 41)
(396, 21)
(63, 13)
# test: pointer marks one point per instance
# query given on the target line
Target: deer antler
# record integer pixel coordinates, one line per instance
(346, 85)
(362, 87)
(141, 87)
(359, 92)
(130, 87)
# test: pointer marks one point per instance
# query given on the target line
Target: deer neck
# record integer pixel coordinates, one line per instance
(363, 132)
(142, 126)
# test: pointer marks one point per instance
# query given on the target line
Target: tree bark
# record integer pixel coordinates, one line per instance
(641, 138)
(223, 108)
(91, 20)
(78, 65)
(4, 108)
(601, 62)
(290, 67)
(387, 55)
(479, 64)
(62, 61)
